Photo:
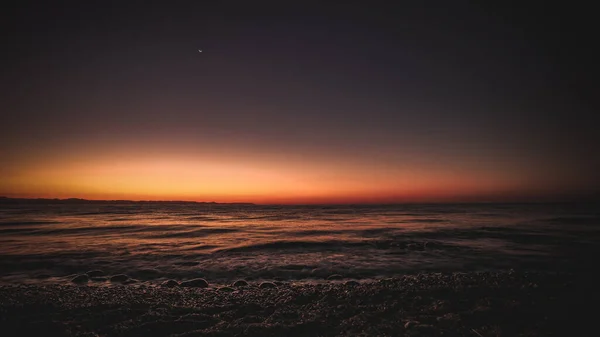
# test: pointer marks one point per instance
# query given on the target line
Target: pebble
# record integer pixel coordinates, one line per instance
(169, 284)
(240, 283)
(120, 278)
(195, 283)
(266, 285)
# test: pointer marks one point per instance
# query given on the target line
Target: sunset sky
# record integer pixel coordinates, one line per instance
(298, 103)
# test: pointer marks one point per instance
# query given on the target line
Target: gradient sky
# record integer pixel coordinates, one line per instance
(306, 103)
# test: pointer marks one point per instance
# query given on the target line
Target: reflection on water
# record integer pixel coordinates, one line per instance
(225, 242)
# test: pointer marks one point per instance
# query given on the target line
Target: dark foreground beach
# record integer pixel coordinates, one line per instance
(452, 304)
(97, 269)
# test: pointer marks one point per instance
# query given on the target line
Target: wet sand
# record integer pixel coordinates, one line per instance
(453, 304)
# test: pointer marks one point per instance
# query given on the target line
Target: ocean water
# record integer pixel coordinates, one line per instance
(154, 242)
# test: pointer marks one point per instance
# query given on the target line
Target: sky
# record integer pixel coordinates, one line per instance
(299, 102)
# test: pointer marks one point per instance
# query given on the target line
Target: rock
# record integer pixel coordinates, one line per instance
(267, 285)
(120, 278)
(240, 283)
(226, 289)
(99, 279)
(80, 279)
(351, 283)
(335, 277)
(95, 273)
(169, 284)
(195, 283)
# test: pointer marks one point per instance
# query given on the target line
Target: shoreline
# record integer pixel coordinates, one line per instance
(505, 303)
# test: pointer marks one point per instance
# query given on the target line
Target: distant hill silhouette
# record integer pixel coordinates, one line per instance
(7, 200)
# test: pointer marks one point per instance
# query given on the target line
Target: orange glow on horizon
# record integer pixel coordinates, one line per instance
(263, 180)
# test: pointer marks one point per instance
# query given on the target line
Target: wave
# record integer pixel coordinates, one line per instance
(291, 246)
(150, 243)
(190, 233)
(27, 223)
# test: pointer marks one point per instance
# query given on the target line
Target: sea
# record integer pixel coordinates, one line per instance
(154, 242)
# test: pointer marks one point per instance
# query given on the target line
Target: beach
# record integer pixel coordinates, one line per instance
(139, 269)
(290, 168)
(436, 304)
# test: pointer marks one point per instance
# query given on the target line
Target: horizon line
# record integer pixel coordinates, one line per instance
(75, 199)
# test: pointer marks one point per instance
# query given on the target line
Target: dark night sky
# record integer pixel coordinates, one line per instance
(358, 101)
